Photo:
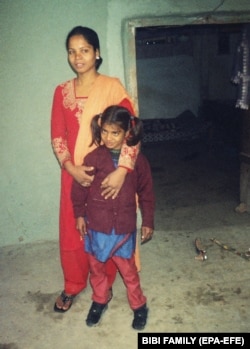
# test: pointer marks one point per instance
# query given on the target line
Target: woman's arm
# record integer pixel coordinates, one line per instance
(58, 129)
(60, 145)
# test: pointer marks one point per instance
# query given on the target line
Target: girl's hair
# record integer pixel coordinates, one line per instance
(121, 117)
(90, 36)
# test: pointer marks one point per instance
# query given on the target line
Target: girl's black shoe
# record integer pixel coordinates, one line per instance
(140, 318)
(95, 312)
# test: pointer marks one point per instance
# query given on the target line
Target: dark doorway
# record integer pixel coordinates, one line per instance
(181, 69)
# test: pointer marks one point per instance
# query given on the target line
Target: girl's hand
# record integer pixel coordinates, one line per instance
(81, 227)
(146, 234)
(79, 173)
(112, 184)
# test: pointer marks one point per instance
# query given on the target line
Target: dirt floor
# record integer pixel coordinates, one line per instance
(196, 195)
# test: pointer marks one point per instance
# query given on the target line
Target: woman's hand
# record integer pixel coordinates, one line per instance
(79, 173)
(112, 184)
(81, 227)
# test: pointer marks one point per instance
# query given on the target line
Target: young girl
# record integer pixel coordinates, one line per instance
(109, 225)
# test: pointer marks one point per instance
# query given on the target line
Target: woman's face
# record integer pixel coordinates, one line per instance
(81, 55)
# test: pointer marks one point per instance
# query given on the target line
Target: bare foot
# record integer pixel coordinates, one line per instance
(241, 208)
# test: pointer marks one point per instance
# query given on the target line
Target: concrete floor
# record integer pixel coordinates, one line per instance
(195, 198)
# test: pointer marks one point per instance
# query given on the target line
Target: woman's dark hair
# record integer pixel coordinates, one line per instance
(120, 116)
(90, 36)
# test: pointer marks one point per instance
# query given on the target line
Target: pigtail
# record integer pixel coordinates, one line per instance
(96, 130)
(135, 131)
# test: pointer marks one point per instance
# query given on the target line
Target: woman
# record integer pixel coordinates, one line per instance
(75, 103)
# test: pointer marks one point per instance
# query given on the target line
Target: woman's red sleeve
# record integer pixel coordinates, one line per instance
(128, 154)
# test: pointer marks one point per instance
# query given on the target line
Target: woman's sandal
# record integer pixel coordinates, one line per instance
(64, 299)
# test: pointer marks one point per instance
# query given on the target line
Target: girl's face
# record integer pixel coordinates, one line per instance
(112, 136)
(81, 55)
